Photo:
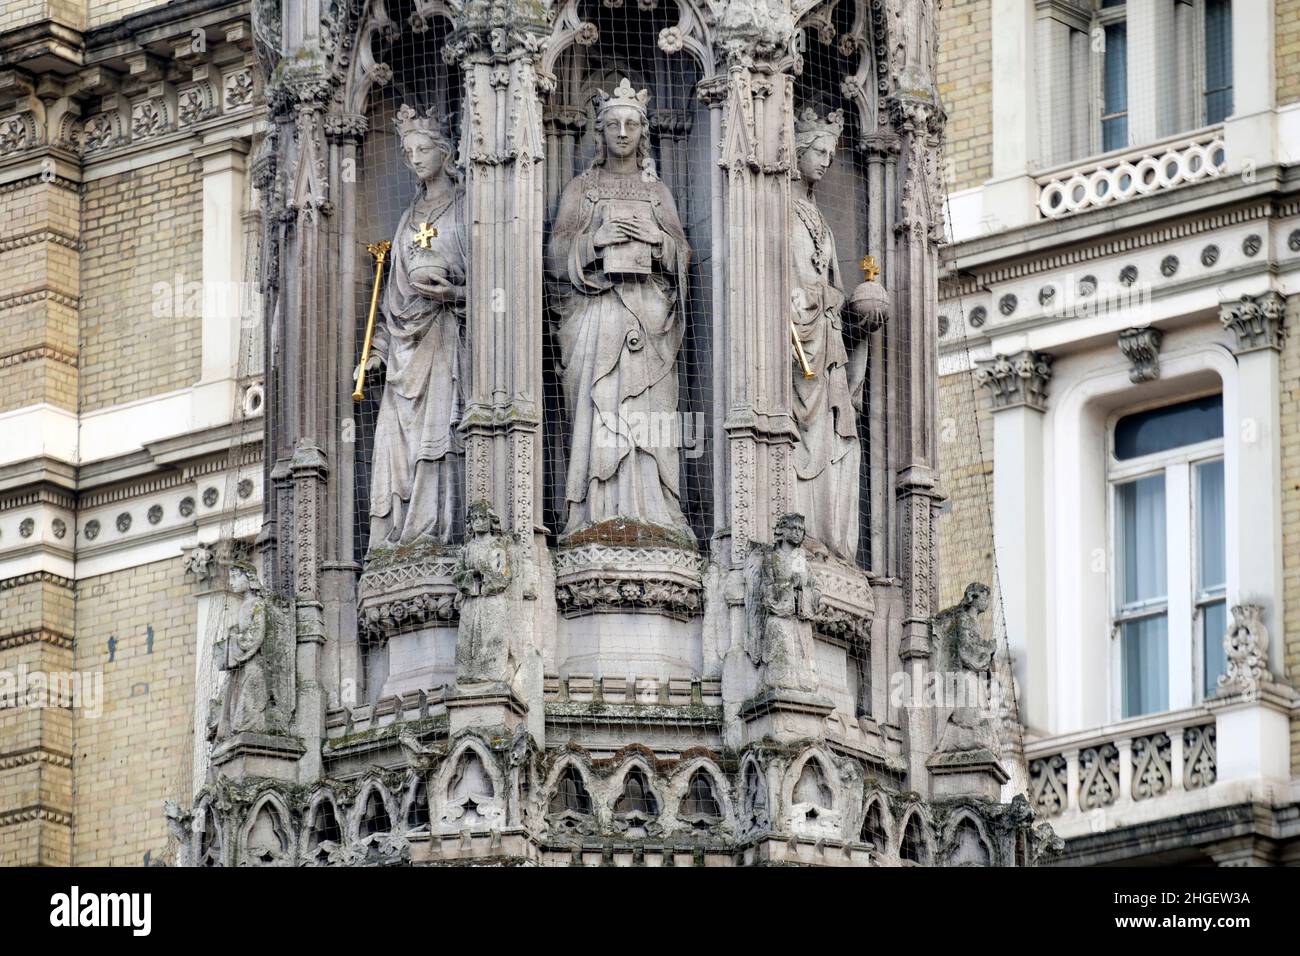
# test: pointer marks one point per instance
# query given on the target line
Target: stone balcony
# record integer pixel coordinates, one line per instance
(1124, 175)
(1229, 751)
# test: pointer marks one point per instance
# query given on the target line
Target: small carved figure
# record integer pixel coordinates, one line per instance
(963, 660)
(780, 601)
(258, 652)
(483, 577)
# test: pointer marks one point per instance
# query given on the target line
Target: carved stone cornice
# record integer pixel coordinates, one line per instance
(749, 31)
(1016, 380)
(396, 595)
(1141, 346)
(499, 29)
(1258, 322)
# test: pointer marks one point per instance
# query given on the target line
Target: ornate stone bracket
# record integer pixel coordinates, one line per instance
(1142, 348)
(1016, 380)
(595, 577)
(1258, 322)
(847, 608)
(1245, 646)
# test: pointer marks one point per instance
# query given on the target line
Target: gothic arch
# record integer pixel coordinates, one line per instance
(680, 785)
(915, 845)
(966, 841)
(877, 823)
(458, 798)
(312, 835)
(268, 823)
(374, 789)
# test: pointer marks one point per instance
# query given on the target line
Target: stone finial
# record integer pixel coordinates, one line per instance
(1245, 646)
(1016, 380)
(1142, 348)
(1259, 322)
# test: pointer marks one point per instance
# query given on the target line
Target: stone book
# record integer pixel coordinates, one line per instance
(633, 257)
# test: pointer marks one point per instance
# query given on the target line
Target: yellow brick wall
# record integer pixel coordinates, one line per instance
(139, 229)
(36, 625)
(39, 230)
(20, 13)
(131, 758)
(965, 77)
(1289, 417)
(966, 473)
(1286, 25)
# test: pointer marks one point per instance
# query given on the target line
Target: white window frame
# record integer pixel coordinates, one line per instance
(1102, 18)
(1183, 603)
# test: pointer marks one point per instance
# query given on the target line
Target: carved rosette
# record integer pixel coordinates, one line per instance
(594, 578)
(1016, 380)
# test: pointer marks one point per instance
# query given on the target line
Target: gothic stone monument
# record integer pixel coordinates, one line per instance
(602, 494)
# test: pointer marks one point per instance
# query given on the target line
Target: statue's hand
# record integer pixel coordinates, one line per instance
(374, 363)
(439, 291)
(610, 234)
(645, 231)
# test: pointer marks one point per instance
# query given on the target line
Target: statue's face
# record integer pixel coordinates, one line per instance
(480, 522)
(793, 534)
(816, 158)
(238, 580)
(423, 154)
(623, 129)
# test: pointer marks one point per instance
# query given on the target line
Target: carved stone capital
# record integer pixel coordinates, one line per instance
(402, 594)
(1142, 348)
(1016, 380)
(1259, 322)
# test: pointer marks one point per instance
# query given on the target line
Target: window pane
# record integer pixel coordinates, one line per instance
(1160, 429)
(1211, 568)
(1144, 648)
(1115, 87)
(1215, 618)
(1218, 60)
(1140, 537)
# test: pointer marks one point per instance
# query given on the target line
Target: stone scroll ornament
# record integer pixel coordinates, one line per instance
(488, 615)
(258, 654)
(417, 474)
(781, 600)
(963, 659)
(617, 269)
(828, 379)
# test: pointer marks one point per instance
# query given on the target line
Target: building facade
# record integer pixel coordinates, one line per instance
(456, 432)
(1117, 408)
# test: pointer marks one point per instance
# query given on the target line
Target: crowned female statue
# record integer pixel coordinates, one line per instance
(416, 472)
(827, 459)
(617, 262)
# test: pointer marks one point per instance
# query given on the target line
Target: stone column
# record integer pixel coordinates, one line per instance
(1254, 507)
(751, 110)
(1011, 196)
(1250, 133)
(1018, 384)
(216, 392)
(499, 50)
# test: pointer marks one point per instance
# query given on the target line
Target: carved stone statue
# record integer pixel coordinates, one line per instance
(617, 263)
(828, 457)
(416, 472)
(963, 660)
(483, 576)
(258, 652)
(781, 599)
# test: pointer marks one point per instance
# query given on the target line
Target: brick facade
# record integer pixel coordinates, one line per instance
(966, 88)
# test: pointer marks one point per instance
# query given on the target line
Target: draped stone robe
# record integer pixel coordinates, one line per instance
(416, 482)
(827, 459)
(619, 336)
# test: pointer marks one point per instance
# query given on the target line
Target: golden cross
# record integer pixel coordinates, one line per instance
(424, 234)
(869, 268)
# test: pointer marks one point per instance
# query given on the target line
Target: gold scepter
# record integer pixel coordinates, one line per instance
(379, 250)
(799, 352)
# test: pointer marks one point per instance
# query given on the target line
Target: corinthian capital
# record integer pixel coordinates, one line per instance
(1016, 380)
(1259, 322)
